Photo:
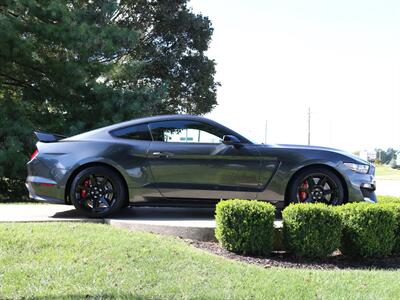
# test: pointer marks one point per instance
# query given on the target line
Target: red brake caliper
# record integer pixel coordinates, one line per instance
(83, 192)
(302, 194)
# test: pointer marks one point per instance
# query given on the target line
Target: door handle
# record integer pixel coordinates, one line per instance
(163, 154)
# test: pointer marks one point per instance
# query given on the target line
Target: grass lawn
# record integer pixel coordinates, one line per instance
(386, 172)
(388, 199)
(68, 260)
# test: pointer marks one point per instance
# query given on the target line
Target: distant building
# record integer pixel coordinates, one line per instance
(367, 155)
(371, 156)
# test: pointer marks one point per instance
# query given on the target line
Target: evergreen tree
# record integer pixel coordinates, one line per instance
(71, 66)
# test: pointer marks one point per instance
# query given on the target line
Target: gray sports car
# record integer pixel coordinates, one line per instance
(187, 160)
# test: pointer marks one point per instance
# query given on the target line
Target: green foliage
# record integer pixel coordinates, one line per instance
(395, 207)
(71, 66)
(388, 199)
(368, 229)
(311, 230)
(386, 157)
(245, 226)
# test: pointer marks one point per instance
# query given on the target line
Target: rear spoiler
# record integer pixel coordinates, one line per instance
(48, 137)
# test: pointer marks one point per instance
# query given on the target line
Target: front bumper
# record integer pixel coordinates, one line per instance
(362, 186)
(368, 192)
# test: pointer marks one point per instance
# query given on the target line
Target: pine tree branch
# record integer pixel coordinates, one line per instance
(16, 82)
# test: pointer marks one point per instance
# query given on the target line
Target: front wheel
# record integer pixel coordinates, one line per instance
(97, 192)
(316, 185)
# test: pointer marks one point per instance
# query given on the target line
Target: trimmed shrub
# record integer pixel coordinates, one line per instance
(395, 207)
(311, 230)
(245, 226)
(368, 229)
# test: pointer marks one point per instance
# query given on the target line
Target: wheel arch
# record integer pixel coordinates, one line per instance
(318, 165)
(93, 164)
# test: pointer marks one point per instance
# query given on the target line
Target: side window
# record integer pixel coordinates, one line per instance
(186, 131)
(135, 132)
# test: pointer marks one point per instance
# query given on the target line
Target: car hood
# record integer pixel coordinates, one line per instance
(318, 148)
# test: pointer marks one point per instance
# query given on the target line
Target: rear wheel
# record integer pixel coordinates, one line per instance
(316, 185)
(97, 192)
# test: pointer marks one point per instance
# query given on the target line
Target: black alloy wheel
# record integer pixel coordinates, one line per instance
(97, 192)
(317, 185)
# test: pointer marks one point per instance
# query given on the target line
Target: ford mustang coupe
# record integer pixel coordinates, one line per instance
(186, 160)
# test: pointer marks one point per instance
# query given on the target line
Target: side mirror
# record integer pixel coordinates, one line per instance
(230, 140)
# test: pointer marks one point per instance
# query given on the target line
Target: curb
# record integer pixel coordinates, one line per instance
(205, 234)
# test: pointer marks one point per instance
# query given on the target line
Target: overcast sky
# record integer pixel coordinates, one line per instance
(277, 58)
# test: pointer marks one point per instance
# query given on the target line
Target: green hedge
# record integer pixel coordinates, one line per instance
(311, 230)
(394, 203)
(368, 229)
(395, 207)
(245, 226)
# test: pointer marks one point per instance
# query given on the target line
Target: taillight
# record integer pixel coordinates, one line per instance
(34, 154)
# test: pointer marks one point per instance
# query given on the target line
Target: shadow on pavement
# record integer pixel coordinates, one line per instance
(143, 213)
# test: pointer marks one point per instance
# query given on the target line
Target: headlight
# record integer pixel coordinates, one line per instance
(359, 168)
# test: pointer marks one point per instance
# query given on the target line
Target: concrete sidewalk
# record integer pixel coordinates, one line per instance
(388, 187)
(198, 217)
(41, 213)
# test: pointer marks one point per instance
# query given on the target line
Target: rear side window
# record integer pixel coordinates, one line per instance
(186, 131)
(136, 132)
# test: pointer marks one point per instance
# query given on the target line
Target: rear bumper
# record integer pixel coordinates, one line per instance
(42, 191)
(45, 182)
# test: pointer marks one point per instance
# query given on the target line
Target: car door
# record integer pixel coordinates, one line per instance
(188, 160)
(130, 151)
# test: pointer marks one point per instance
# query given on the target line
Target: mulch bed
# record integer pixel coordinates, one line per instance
(286, 260)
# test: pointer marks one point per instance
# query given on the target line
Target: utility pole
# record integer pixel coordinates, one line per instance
(266, 128)
(309, 126)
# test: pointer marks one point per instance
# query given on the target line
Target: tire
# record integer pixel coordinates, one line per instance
(97, 192)
(312, 185)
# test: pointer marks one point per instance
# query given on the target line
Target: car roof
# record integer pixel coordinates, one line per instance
(157, 119)
(104, 131)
